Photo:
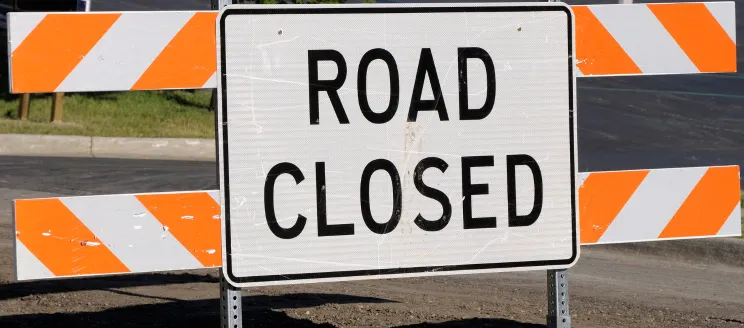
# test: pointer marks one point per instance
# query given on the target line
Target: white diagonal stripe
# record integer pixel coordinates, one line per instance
(123, 54)
(732, 226)
(653, 204)
(644, 39)
(212, 82)
(215, 194)
(20, 26)
(724, 12)
(27, 265)
(130, 231)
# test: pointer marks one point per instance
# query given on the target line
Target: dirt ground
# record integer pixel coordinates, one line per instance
(190, 300)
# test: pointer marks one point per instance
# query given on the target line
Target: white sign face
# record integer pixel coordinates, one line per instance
(379, 141)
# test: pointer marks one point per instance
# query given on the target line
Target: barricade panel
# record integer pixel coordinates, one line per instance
(174, 49)
(137, 233)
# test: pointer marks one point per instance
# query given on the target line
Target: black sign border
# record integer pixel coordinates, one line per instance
(228, 270)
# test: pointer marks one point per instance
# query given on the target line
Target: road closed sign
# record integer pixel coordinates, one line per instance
(381, 140)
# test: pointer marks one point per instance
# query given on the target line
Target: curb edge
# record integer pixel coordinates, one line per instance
(191, 149)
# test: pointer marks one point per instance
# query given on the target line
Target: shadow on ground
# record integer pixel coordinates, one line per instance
(183, 101)
(18, 290)
(258, 311)
(475, 322)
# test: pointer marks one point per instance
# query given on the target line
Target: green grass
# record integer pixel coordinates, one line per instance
(164, 114)
(161, 114)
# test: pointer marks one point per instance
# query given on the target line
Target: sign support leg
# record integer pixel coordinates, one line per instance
(558, 315)
(231, 310)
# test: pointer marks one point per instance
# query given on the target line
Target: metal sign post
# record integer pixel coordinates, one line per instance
(84, 5)
(558, 315)
(557, 281)
(231, 308)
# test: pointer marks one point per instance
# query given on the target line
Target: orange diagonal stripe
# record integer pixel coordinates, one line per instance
(188, 61)
(193, 219)
(54, 48)
(58, 239)
(597, 52)
(708, 206)
(601, 197)
(699, 35)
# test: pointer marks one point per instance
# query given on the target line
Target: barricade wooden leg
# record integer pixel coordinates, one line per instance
(57, 101)
(213, 101)
(23, 104)
(231, 310)
(558, 315)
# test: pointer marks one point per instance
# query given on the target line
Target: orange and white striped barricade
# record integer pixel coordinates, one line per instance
(119, 51)
(135, 233)
(82, 236)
